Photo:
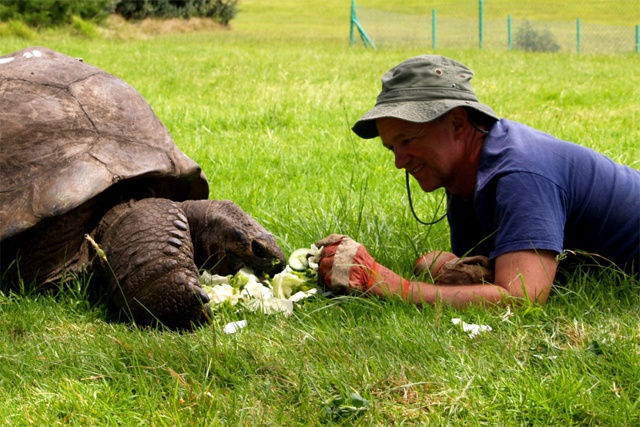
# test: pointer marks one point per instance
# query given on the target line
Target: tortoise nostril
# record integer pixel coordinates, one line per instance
(258, 249)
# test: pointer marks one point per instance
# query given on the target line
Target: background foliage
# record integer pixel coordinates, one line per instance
(536, 40)
(221, 11)
(47, 13)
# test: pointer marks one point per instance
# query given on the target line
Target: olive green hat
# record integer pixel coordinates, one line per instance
(420, 90)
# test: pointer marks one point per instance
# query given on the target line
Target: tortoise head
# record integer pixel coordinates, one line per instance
(225, 239)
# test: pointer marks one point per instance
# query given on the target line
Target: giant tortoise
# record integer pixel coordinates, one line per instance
(91, 182)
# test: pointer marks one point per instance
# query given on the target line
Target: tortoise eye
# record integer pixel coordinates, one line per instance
(258, 249)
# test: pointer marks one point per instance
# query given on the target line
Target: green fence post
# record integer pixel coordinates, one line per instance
(353, 13)
(578, 38)
(509, 39)
(433, 29)
(480, 23)
(353, 18)
(354, 23)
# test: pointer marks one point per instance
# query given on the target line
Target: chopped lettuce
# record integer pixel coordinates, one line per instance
(274, 295)
(288, 282)
(223, 292)
(243, 277)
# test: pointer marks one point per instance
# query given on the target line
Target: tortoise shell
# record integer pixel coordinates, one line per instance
(69, 132)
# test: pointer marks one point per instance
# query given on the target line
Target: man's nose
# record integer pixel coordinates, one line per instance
(402, 158)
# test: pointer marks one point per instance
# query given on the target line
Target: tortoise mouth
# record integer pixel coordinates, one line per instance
(271, 270)
(225, 265)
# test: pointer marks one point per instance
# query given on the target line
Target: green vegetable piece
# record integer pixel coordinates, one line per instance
(299, 259)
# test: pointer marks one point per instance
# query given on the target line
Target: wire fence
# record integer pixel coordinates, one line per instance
(441, 29)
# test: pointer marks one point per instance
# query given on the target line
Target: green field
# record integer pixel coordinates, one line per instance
(266, 108)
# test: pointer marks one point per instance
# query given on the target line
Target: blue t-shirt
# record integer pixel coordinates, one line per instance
(534, 191)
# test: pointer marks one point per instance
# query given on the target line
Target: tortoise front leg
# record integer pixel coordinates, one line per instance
(149, 273)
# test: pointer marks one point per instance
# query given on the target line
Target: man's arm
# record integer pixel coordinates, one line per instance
(521, 274)
(347, 266)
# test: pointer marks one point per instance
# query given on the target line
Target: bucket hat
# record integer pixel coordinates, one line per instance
(420, 90)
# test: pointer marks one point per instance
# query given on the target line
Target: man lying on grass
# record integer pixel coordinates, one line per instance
(517, 197)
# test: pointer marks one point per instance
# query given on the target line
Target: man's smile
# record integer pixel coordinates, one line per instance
(416, 169)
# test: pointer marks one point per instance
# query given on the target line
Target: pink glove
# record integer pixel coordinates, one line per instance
(447, 269)
(346, 267)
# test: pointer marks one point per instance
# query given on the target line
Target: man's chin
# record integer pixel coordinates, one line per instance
(428, 187)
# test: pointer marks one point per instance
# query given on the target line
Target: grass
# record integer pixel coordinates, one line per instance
(266, 108)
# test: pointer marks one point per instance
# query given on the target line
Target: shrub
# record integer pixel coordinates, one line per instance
(219, 10)
(47, 13)
(84, 28)
(17, 28)
(530, 39)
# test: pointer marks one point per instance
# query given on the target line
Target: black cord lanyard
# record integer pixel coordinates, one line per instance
(482, 131)
(414, 212)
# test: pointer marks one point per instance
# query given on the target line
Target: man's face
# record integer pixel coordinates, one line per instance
(426, 150)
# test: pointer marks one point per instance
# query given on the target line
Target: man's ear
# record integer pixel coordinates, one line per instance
(458, 119)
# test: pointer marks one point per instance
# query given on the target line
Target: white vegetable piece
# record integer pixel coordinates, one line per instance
(471, 328)
(233, 327)
(221, 293)
(298, 259)
(271, 306)
(300, 295)
(304, 258)
(244, 276)
(285, 282)
(314, 259)
(209, 279)
(256, 290)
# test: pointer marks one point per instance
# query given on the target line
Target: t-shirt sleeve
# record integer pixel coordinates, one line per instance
(530, 213)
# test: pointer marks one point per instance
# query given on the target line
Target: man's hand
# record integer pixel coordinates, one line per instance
(520, 274)
(346, 267)
(447, 269)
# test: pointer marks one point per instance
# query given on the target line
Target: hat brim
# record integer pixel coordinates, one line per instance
(412, 111)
